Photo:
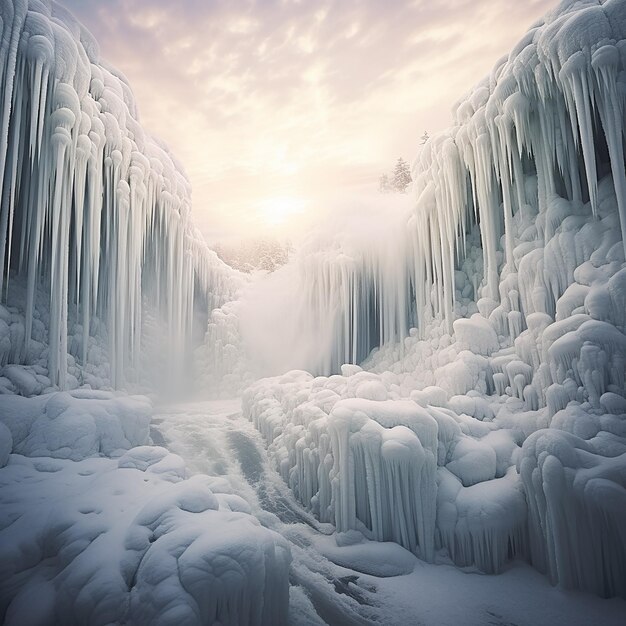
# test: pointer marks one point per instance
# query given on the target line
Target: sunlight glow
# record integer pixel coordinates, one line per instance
(276, 211)
(288, 100)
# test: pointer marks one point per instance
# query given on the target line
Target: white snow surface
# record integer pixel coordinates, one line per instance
(207, 532)
(470, 408)
(76, 425)
(132, 540)
(343, 578)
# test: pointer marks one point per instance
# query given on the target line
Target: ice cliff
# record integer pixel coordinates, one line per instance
(496, 427)
(93, 211)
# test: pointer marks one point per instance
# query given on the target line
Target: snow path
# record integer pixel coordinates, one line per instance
(215, 439)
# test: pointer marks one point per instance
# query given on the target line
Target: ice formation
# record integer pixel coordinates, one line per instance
(514, 280)
(359, 453)
(100, 261)
(471, 400)
(93, 209)
(354, 293)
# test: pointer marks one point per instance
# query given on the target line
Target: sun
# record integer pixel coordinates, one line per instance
(276, 211)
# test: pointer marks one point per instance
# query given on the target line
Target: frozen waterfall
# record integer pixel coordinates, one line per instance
(93, 209)
(512, 277)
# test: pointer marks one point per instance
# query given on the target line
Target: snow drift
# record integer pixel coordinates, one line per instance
(133, 540)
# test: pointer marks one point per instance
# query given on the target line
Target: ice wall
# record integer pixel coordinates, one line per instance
(529, 147)
(513, 276)
(546, 125)
(93, 209)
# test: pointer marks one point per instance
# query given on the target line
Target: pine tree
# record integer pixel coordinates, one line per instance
(384, 184)
(401, 176)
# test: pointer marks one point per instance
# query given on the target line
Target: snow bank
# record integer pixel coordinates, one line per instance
(352, 550)
(76, 425)
(125, 542)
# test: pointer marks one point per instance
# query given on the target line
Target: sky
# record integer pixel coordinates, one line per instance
(277, 108)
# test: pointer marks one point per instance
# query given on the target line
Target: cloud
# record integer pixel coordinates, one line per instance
(260, 98)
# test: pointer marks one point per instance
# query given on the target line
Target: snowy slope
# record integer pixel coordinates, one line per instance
(94, 211)
(496, 429)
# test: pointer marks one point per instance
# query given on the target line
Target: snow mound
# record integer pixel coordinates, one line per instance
(351, 550)
(122, 545)
(76, 425)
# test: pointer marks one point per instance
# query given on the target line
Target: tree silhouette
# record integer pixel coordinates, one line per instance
(398, 181)
(384, 184)
(401, 176)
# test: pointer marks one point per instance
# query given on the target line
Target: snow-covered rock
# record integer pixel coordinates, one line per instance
(100, 541)
(76, 425)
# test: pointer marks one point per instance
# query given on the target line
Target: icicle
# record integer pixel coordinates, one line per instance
(605, 62)
(574, 74)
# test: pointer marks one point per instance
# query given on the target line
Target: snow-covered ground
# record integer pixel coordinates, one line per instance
(345, 579)
(96, 528)
(200, 526)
